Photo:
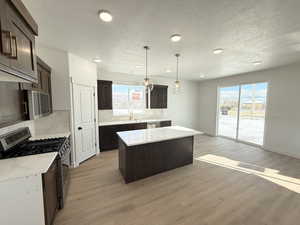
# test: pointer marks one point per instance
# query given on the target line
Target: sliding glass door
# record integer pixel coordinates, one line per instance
(242, 112)
(252, 113)
(228, 111)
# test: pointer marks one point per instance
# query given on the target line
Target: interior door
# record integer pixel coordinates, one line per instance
(84, 118)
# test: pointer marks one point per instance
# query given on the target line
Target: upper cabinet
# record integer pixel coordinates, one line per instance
(18, 31)
(159, 97)
(43, 83)
(104, 94)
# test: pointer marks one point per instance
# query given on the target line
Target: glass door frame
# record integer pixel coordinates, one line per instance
(238, 112)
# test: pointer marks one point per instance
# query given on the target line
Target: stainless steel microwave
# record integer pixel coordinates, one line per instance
(38, 105)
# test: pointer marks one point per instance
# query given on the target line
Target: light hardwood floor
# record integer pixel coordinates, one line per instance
(229, 183)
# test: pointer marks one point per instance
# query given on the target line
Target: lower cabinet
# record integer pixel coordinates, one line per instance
(50, 191)
(167, 123)
(108, 138)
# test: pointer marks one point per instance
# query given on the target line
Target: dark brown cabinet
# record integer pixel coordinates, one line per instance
(43, 82)
(18, 31)
(5, 37)
(159, 97)
(167, 123)
(141, 161)
(108, 138)
(104, 94)
(44, 77)
(50, 190)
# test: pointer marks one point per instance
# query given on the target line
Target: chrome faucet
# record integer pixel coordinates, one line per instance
(131, 117)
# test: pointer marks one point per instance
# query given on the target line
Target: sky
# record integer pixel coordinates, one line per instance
(246, 92)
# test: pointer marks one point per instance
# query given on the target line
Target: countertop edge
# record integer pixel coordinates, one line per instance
(154, 141)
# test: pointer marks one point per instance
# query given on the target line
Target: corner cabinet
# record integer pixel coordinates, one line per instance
(159, 97)
(104, 94)
(18, 31)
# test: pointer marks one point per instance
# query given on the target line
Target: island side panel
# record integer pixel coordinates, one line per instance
(122, 157)
(141, 161)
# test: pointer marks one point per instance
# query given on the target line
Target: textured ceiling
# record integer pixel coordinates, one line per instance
(248, 30)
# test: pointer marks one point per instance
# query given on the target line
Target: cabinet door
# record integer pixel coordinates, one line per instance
(104, 94)
(159, 97)
(5, 44)
(45, 81)
(154, 102)
(37, 85)
(107, 138)
(50, 193)
(23, 58)
(164, 97)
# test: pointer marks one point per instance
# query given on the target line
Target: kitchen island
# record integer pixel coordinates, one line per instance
(146, 152)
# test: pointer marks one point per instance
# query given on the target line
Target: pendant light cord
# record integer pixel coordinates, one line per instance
(177, 56)
(146, 48)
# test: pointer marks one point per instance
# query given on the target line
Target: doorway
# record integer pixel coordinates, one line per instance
(241, 112)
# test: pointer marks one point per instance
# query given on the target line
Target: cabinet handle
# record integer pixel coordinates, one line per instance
(6, 43)
(79, 128)
(25, 108)
(14, 48)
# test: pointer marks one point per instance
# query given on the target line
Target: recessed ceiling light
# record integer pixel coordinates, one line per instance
(257, 63)
(97, 60)
(202, 76)
(138, 66)
(175, 37)
(168, 71)
(105, 15)
(218, 51)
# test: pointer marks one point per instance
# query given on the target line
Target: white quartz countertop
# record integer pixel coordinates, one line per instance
(138, 137)
(25, 166)
(53, 135)
(130, 122)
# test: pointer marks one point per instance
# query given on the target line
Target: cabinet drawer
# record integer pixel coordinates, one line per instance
(166, 123)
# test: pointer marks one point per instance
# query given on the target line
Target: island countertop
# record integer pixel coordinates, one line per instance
(145, 136)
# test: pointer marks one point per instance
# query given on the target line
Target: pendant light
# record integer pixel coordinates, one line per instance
(147, 83)
(177, 82)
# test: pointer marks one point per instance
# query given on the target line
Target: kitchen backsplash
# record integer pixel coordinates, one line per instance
(57, 122)
(107, 115)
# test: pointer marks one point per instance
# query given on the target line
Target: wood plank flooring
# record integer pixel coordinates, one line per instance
(229, 183)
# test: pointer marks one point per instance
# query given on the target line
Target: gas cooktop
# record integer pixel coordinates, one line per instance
(35, 147)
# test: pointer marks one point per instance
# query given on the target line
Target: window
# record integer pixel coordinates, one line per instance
(128, 98)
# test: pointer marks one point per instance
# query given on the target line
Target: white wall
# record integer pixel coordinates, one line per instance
(282, 131)
(82, 71)
(183, 108)
(58, 61)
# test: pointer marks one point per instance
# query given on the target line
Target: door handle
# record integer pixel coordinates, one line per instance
(79, 128)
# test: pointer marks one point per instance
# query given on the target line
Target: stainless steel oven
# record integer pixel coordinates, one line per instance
(38, 104)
